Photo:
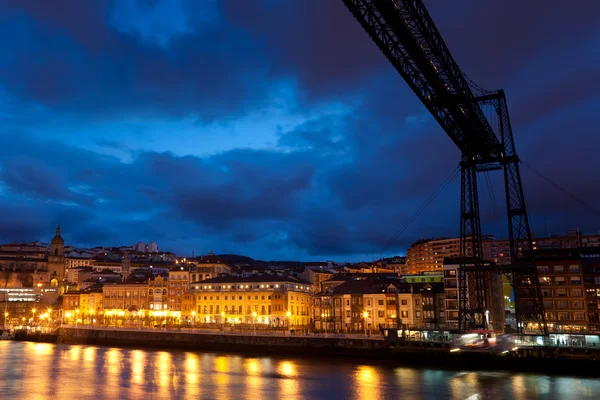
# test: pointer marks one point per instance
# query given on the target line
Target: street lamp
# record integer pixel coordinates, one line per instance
(5, 316)
(365, 316)
(193, 319)
(324, 322)
(254, 321)
(223, 320)
(289, 316)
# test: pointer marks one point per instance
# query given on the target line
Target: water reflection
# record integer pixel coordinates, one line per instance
(192, 376)
(289, 385)
(44, 371)
(221, 377)
(366, 380)
(138, 362)
(75, 352)
(254, 379)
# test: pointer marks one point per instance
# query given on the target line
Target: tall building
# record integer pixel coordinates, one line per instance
(565, 289)
(140, 247)
(429, 254)
(56, 259)
(152, 247)
(493, 290)
(179, 284)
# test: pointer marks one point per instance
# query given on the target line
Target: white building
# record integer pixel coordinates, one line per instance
(151, 247)
(139, 246)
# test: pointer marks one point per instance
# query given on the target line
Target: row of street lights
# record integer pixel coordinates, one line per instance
(288, 314)
(48, 316)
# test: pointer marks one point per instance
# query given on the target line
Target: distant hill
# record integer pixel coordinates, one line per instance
(236, 259)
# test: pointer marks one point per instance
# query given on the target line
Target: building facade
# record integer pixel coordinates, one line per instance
(179, 284)
(269, 300)
(560, 273)
(361, 305)
(208, 267)
(494, 296)
(126, 296)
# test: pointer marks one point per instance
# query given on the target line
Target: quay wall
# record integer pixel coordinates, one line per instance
(551, 361)
(221, 341)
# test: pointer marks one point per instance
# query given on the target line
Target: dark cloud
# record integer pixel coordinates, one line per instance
(329, 183)
(25, 175)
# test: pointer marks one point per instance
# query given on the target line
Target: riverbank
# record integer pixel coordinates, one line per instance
(583, 362)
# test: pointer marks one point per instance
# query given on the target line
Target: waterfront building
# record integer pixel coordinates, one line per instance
(91, 301)
(494, 296)
(71, 300)
(179, 284)
(560, 273)
(356, 305)
(590, 262)
(273, 301)
(126, 296)
(158, 294)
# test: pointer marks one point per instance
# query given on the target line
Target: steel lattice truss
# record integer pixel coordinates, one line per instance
(407, 36)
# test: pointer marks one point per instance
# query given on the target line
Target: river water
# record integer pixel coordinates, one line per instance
(47, 371)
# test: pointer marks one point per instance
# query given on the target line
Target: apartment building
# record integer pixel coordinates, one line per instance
(274, 301)
(208, 267)
(560, 273)
(494, 296)
(125, 296)
(360, 305)
(179, 284)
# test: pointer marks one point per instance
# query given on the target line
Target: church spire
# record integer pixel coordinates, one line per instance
(58, 229)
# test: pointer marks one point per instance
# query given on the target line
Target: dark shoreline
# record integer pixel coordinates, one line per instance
(357, 351)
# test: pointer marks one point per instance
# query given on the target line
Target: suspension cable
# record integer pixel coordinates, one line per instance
(557, 186)
(417, 213)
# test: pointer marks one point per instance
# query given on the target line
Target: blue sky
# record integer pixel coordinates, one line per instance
(275, 129)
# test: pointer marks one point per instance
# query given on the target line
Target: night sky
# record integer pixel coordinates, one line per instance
(276, 129)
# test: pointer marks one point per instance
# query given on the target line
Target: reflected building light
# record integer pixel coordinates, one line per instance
(221, 378)
(252, 366)
(75, 352)
(163, 367)
(287, 369)
(519, 389)
(254, 379)
(222, 364)
(138, 364)
(289, 386)
(367, 383)
(113, 359)
(89, 354)
(192, 376)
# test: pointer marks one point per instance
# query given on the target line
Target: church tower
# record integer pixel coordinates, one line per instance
(56, 259)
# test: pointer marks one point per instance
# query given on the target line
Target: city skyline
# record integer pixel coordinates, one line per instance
(234, 128)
